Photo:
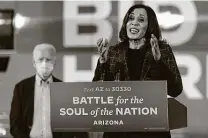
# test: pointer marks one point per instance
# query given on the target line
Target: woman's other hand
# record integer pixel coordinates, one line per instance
(155, 48)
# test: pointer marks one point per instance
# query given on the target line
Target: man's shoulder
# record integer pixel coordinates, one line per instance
(31, 79)
(56, 79)
(26, 80)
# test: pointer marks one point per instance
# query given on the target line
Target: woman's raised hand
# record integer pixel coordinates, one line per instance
(103, 48)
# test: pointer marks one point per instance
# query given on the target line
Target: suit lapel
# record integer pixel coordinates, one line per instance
(126, 70)
(146, 64)
(123, 56)
(29, 93)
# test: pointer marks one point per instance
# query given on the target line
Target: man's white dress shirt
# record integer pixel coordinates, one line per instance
(41, 127)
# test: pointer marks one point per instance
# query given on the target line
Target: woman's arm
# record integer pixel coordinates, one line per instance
(98, 71)
(104, 68)
(101, 69)
(172, 73)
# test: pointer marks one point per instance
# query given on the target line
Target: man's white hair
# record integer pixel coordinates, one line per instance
(44, 46)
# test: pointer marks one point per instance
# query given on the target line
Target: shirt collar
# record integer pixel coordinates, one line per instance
(39, 80)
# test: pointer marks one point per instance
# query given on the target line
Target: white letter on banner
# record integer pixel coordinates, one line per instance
(70, 72)
(73, 19)
(188, 19)
(194, 72)
(75, 100)
(62, 111)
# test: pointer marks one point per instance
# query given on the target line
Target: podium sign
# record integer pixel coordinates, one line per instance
(109, 106)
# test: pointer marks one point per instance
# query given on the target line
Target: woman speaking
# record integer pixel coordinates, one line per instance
(140, 55)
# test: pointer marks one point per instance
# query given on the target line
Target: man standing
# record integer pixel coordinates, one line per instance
(30, 107)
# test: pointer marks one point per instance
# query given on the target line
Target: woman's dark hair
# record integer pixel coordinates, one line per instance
(153, 26)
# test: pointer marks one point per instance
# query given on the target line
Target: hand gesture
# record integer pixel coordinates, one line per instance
(155, 48)
(103, 47)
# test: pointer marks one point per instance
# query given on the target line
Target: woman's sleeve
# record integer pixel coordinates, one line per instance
(101, 68)
(172, 73)
(97, 72)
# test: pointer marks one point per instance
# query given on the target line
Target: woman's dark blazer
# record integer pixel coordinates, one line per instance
(164, 69)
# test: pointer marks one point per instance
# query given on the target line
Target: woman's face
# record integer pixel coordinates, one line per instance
(137, 24)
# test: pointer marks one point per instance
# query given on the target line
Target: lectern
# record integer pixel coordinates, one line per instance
(177, 114)
(114, 107)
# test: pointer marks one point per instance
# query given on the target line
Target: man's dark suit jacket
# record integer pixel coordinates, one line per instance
(22, 109)
(164, 69)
